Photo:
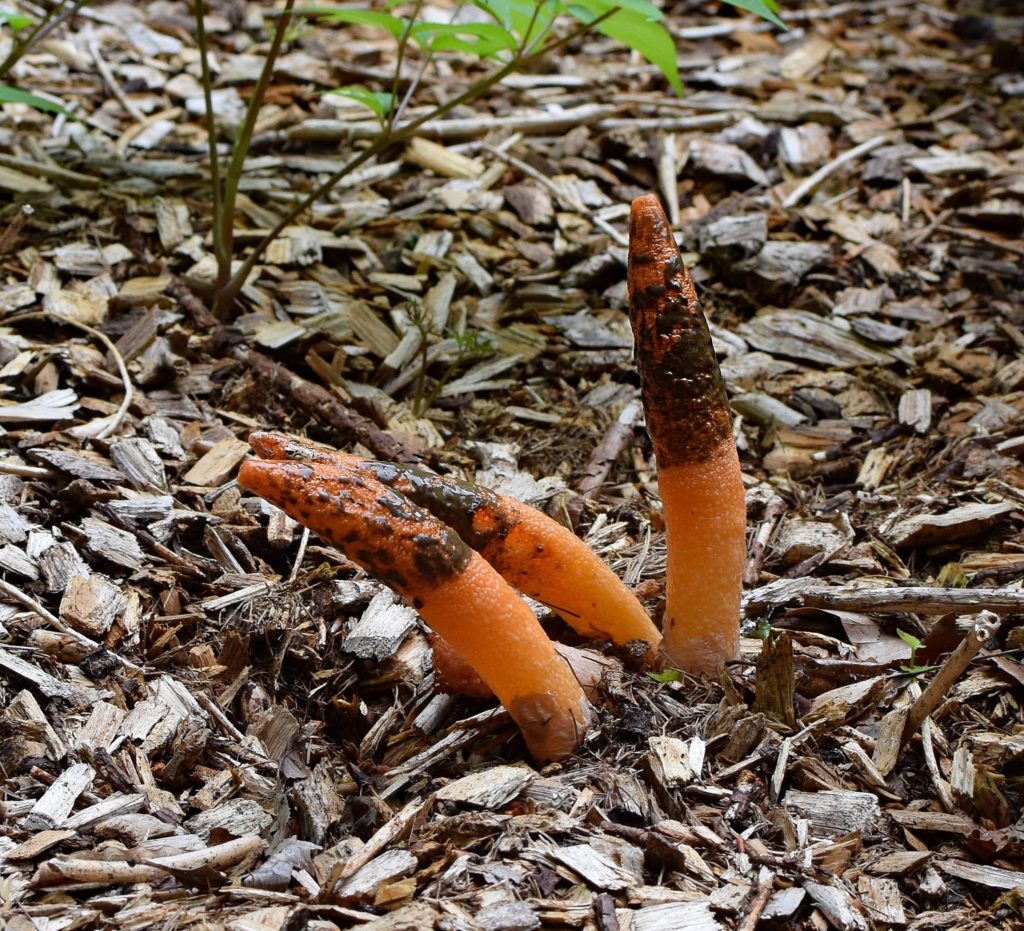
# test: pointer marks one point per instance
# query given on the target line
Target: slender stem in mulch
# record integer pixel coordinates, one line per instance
(240, 149)
(396, 77)
(317, 401)
(216, 190)
(53, 18)
(950, 671)
(226, 296)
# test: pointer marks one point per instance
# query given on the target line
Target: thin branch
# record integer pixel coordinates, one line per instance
(244, 136)
(43, 28)
(223, 257)
(403, 42)
(947, 675)
(229, 293)
(917, 599)
(113, 421)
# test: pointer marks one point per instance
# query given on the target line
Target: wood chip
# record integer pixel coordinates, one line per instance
(214, 468)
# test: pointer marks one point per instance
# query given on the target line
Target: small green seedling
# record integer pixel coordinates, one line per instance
(915, 644)
(666, 675)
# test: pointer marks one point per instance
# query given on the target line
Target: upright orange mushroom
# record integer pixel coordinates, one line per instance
(690, 425)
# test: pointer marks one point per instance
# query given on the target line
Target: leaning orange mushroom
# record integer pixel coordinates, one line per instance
(455, 591)
(455, 549)
(532, 552)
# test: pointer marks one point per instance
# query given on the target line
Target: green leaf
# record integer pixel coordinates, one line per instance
(10, 94)
(766, 9)
(486, 39)
(16, 21)
(636, 30)
(380, 102)
(641, 7)
(666, 675)
(517, 16)
(910, 640)
(396, 25)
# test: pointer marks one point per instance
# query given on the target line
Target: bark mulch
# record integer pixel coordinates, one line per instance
(210, 719)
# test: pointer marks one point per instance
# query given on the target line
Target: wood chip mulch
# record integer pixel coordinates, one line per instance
(211, 719)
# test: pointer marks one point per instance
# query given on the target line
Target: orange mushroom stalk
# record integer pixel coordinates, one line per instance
(455, 591)
(528, 549)
(690, 426)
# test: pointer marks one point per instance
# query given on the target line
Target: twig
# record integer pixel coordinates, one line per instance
(10, 234)
(617, 437)
(16, 594)
(808, 185)
(991, 241)
(151, 543)
(113, 421)
(913, 599)
(319, 403)
(762, 891)
(303, 543)
(326, 131)
(951, 670)
(108, 78)
(758, 549)
(112, 872)
(12, 467)
(668, 176)
(315, 400)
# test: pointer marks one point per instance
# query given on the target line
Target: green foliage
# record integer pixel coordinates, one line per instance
(394, 24)
(520, 34)
(470, 346)
(915, 644)
(766, 9)
(666, 675)
(10, 94)
(15, 21)
(519, 25)
(380, 102)
(636, 24)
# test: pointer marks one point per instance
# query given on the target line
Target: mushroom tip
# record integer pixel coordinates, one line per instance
(272, 479)
(648, 222)
(267, 445)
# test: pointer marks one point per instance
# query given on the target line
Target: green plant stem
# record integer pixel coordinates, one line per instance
(233, 175)
(53, 18)
(226, 295)
(403, 43)
(223, 257)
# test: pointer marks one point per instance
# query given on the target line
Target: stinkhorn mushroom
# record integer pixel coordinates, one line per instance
(454, 589)
(532, 552)
(690, 426)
